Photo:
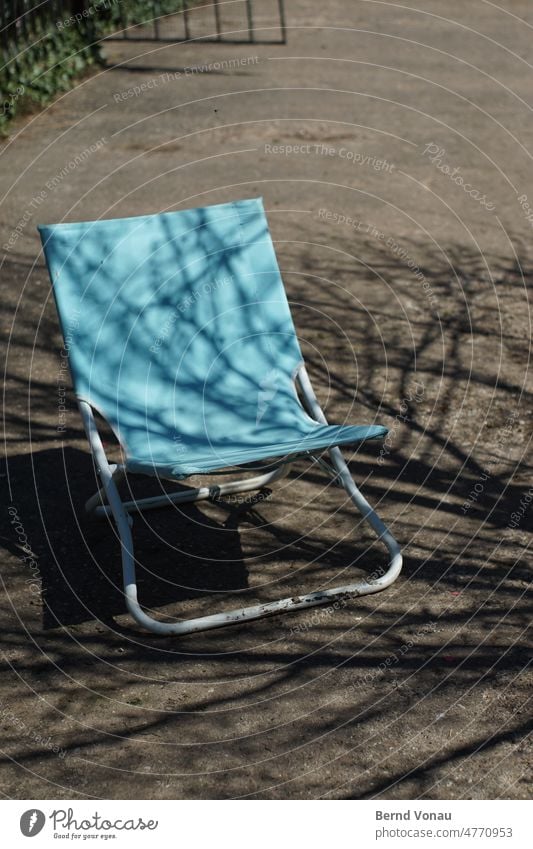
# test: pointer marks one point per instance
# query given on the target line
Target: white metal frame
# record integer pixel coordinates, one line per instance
(110, 474)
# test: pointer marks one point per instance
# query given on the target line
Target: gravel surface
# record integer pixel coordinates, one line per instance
(392, 145)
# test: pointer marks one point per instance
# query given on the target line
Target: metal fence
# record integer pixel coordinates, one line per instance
(219, 33)
(20, 20)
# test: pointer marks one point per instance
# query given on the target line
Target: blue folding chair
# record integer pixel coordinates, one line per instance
(180, 336)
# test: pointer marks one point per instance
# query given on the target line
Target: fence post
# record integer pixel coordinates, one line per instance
(186, 19)
(217, 20)
(250, 16)
(157, 15)
(282, 22)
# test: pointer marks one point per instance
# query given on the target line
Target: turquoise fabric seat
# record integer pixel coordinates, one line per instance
(179, 333)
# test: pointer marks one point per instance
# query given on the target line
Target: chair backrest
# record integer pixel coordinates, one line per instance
(172, 315)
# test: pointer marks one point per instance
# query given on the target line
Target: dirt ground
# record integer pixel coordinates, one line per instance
(414, 122)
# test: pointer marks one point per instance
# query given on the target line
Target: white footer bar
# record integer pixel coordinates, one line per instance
(241, 824)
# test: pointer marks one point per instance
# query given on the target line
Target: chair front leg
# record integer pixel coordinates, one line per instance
(343, 474)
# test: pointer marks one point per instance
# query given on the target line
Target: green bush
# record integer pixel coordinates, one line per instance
(112, 14)
(60, 50)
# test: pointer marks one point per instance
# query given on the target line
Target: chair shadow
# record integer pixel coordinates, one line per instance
(79, 558)
(181, 553)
